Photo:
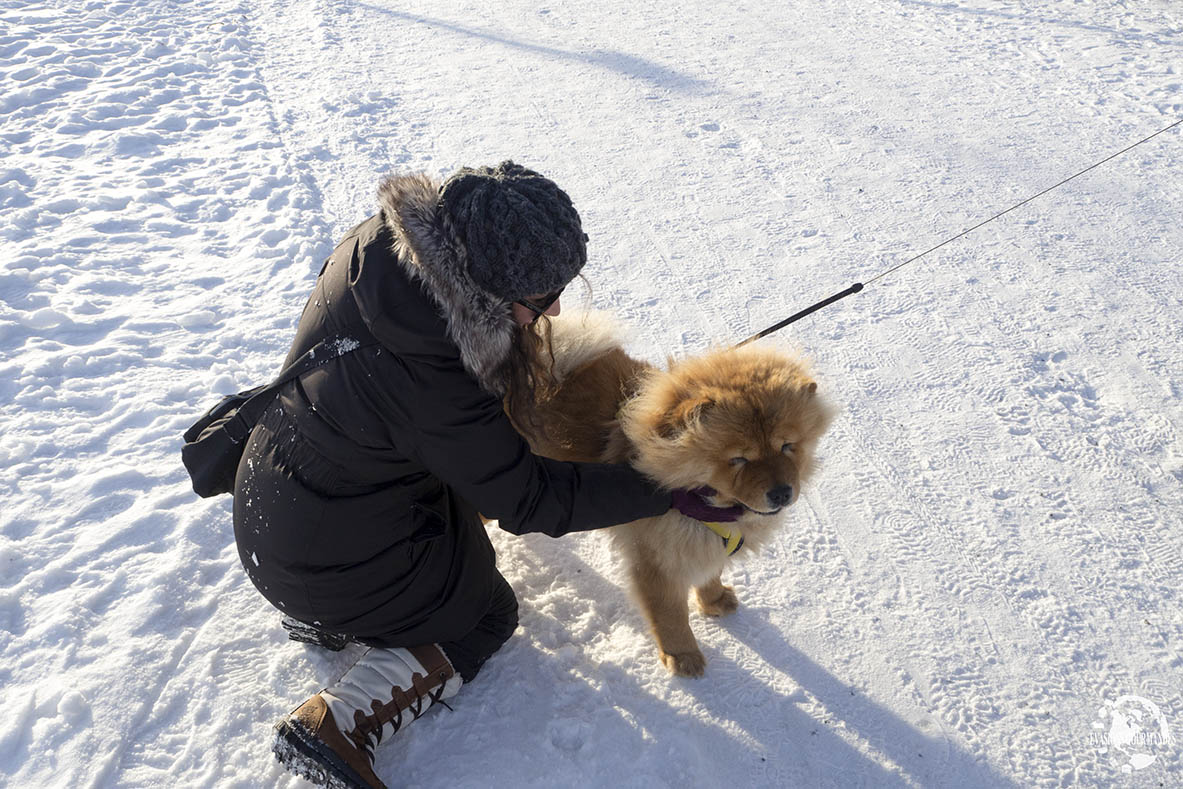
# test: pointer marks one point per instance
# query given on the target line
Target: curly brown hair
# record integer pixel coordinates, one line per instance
(529, 375)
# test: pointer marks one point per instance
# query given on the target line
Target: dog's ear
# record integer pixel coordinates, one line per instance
(810, 389)
(683, 413)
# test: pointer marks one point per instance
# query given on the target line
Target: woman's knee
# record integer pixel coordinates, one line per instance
(502, 616)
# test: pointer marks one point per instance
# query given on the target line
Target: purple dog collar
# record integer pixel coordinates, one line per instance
(713, 513)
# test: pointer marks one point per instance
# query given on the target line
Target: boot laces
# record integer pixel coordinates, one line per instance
(368, 732)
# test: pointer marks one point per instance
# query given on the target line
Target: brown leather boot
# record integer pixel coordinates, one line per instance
(330, 738)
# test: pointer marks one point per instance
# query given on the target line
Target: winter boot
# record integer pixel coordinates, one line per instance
(330, 738)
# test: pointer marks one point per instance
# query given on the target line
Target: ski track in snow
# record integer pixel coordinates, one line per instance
(990, 554)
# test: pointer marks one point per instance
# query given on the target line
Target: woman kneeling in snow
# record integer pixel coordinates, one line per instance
(355, 509)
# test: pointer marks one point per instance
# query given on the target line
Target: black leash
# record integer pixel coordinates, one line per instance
(856, 287)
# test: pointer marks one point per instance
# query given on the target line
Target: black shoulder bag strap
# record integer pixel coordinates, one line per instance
(249, 413)
(214, 444)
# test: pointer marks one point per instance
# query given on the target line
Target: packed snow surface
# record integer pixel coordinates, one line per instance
(981, 587)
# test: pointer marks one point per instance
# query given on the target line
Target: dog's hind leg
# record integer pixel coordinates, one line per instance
(664, 603)
(715, 599)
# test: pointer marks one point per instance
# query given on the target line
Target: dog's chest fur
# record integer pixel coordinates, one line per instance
(683, 548)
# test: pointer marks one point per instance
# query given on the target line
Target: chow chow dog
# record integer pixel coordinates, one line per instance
(738, 426)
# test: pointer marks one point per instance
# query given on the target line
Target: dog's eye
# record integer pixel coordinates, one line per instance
(787, 448)
(739, 461)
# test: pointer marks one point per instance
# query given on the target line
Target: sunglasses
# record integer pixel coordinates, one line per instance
(540, 307)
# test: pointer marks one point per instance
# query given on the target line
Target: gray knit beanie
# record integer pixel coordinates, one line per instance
(521, 234)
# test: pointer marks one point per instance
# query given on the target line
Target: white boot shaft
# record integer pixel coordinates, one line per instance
(390, 687)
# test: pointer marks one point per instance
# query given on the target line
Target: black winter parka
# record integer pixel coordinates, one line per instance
(357, 496)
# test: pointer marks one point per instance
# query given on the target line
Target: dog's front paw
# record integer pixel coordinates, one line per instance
(685, 664)
(725, 603)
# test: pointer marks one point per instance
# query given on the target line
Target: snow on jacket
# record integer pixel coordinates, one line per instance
(357, 497)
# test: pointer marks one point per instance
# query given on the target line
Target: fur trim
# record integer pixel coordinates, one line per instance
(480, 323)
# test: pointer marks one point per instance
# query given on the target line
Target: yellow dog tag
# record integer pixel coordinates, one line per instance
(732, 537)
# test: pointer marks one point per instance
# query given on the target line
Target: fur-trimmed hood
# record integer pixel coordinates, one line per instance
(479, 323)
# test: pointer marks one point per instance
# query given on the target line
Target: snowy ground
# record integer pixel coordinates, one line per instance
(989, 565)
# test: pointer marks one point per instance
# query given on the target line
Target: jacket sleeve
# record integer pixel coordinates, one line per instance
(459, 432)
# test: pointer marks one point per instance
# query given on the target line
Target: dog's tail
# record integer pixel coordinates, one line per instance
(581, 337)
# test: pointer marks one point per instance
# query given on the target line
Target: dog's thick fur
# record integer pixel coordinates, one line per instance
(684, 427)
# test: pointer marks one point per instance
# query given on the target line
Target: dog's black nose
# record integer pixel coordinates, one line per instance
(780, 495)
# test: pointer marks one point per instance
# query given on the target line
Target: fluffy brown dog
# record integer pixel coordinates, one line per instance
(744, 422)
